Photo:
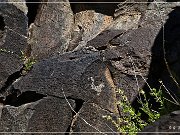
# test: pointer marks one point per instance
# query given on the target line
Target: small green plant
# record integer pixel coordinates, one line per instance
(147, 108)
(23, 56)
(130, 122)
(29, 63)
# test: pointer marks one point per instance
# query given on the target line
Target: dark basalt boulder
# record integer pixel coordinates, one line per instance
(51, 30)
(13, 38)
(48, 114)
(83, 77)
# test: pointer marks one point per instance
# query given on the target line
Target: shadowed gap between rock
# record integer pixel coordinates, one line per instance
(2, 26)
(103, 8)
(116, 59)
(32, 10)
(7, 89)
(24, 98)
(10, 80)
(72, 58)
(79, 103)
(101, 48)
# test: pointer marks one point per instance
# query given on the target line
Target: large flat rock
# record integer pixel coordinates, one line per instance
(79, 76)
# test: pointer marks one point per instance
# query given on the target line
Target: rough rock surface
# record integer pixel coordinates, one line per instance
(169, 124)
(93, 115)
(49, 114)
(91, 23)
(13, 40)
(80, 66)
(80, 77)
(51, 30)
(83, 77)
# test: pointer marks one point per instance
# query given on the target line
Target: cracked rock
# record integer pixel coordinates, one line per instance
(50, 33)
(90, 119)
(13, 39)
(82, 77)
(92, 18)
(80, 66)
(49, 114)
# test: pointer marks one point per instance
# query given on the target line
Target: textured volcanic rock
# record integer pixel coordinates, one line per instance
(13, 39)
(136, 53)
(49, 114)
(79, 66)
(80, 77)
(89, 21)
(169, 124)
(51, 30)
(93, 114)
(94, 18)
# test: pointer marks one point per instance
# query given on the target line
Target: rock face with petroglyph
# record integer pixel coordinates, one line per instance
(61, 67)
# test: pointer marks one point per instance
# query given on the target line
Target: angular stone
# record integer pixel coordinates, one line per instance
(90, 20)
(168, 123)
(46, 115)
(51, 30)
(136, 54)
(91, 120)
(51, 115)
(102, 40)
(13, 39)
(83, 77)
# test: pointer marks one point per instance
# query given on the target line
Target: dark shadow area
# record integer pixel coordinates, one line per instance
(101, 48)
(158, 69)
(79, 103)
(2, 26)
(24, 98)
(103, 8)
(10, 80)
(32, 10)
